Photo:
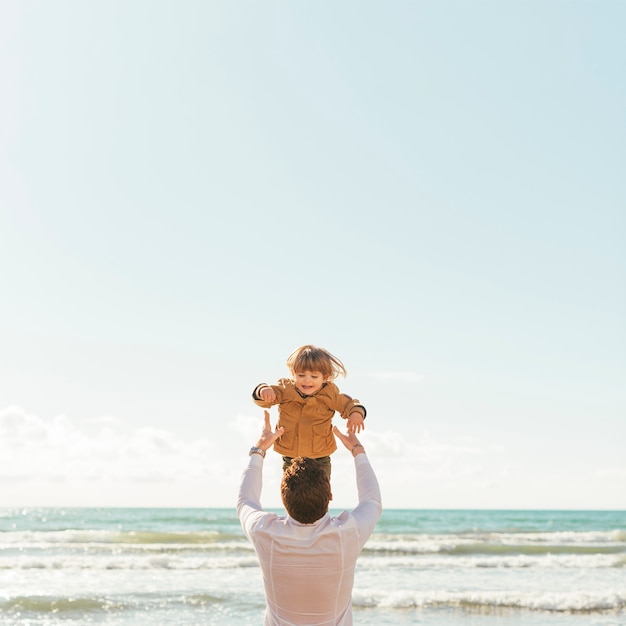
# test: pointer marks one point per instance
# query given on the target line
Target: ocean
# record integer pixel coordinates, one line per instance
(194, 566)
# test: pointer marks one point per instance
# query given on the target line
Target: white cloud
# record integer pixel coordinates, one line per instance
(420, 449)
(17, 427)
(250, 427)
(61, 451)
(104, 461)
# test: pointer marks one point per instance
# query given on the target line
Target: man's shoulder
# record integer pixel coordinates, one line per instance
(263, 521)
(341, 519)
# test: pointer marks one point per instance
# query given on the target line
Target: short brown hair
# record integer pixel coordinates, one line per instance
(315, 359)
(305, 490)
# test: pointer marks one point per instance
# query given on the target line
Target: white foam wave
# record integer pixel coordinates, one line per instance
(609, 600)
(73, 536)
(128, 562)
(192, 559)
(563, 537)
(544, 561)
(530, 543)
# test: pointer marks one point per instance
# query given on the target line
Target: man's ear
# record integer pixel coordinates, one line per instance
(331, 496)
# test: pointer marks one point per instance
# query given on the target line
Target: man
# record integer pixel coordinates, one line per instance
(307, 557)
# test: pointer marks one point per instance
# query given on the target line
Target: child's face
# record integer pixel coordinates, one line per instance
(309, 382)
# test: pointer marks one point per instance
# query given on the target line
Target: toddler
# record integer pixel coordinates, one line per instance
(307, 403)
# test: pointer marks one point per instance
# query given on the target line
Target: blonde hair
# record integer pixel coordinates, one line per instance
(315, 359)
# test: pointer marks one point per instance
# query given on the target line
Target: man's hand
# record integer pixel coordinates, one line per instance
(350, 441)
(267, 438)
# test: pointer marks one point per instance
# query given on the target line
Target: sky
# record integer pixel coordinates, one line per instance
(432, 191)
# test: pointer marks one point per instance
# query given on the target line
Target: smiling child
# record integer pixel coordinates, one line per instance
(307, 403)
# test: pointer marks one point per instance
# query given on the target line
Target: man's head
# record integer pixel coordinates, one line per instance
(305, 490)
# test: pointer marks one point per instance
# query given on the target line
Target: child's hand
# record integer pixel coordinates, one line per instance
(355, 423)
(267, 394)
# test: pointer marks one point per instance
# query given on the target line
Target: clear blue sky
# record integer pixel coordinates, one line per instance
(433, 191)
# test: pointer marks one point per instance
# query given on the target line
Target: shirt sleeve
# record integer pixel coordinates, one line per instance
(249, 508)
(370, 507)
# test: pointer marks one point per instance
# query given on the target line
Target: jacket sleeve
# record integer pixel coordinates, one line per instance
(347, 405)
(266, 405)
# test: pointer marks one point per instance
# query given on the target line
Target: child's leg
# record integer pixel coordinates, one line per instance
(324, 461)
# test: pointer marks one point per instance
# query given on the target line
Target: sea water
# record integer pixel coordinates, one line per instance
(195, 566)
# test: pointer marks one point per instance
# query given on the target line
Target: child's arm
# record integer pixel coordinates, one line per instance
(264, 395)
(351, 410)
(267, 394)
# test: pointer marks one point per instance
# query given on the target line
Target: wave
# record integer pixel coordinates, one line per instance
(70, 536)
(56, 605)
(490, 549)
(100, 549)
(514, 561)
(75, 606)
(606, 542)
(484, 601)
(574, 602)
(247, 559)
(169, 561)
(410, 542)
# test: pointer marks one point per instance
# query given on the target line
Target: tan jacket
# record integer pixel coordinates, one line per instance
(308, 419)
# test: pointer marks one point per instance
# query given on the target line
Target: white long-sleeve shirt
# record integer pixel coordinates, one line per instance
(308, 569)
